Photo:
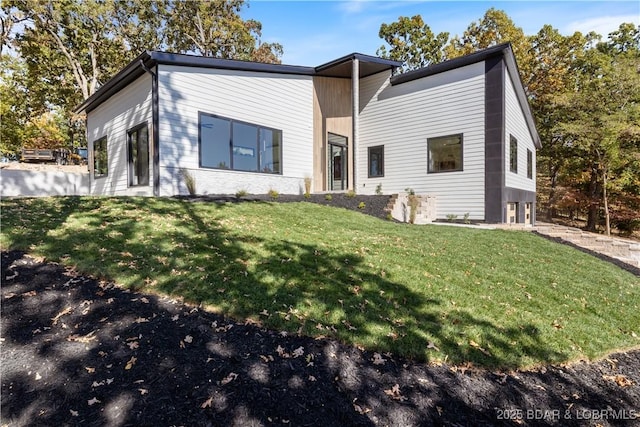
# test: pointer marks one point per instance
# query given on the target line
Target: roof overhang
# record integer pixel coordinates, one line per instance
(341, 67)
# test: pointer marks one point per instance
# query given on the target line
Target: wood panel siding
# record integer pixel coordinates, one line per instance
(516, 125)
(402, 117)
(113, 118)
(278, 101)
(331, 113)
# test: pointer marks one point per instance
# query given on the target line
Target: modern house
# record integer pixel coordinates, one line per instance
(460, 131)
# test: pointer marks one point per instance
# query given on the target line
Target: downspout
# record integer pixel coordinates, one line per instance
(355, 114)
(154, 128)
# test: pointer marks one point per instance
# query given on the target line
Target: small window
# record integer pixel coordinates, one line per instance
(138, 146)
(445, 153)
(376, 161)
(529, 164)
(100, 164)
(231, 144)
(513, 154)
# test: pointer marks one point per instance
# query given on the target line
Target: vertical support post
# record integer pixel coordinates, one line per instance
(355, 114)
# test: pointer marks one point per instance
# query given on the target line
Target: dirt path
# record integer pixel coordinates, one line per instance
(76, 351)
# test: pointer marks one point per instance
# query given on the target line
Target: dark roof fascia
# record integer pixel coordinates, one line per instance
(128, 74)
(360, 57)
(451, 64)
(227, 64)
(506, 52)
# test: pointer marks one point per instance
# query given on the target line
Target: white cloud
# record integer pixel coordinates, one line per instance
(602, 25)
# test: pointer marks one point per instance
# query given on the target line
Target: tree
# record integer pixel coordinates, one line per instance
(14, 106)
(412, 42)
(604, 124)
(494, 28)
(554, 61)
(215, 28)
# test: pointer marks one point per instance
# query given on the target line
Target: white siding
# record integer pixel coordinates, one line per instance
(402, 117)
(124, 110)
(283, 102)
(516, 125)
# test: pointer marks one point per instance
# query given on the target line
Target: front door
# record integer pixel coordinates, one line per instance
(337, 162)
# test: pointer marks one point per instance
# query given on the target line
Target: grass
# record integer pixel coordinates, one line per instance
(493, 298)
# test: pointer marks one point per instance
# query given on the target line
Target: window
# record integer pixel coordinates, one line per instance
(376, 161)
(513, 154)
(529, 164)
(100, 164)
(231, 144)
(445, 153)
(138, 145)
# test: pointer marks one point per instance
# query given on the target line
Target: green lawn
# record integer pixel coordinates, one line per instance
(494, 298)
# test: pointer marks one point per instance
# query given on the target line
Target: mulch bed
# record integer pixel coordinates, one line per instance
(77, 351)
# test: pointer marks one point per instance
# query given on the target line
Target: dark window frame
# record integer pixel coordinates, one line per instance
(97, 142)
(130, 165)
(513, 154)
(529, 164)
(435, 138)
(370, 151)
(231, 121)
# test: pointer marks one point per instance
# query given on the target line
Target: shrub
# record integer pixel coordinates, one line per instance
(307, 186)
(466, 218)
(328, 197)
(452, 217)
(241, 193)
(361, 205)
(273, 194)
(413, 204)
(351, 194)
(379, 189)
(189, 181)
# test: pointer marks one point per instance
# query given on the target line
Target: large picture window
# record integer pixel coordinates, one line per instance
(376, 161)
(513, 154)
(100, 164)
(138, 147)
(445, 153)
(529, 164)
(232, 144)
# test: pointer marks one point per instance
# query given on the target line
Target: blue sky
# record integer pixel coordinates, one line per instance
(315, 32)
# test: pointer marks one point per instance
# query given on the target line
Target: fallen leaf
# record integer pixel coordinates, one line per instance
(38, 376)
(621, 380)
(109, 381)
(90, 369)
(144, 300)
(264, 312)
(182, 344)
(59, 315)
(130, 363)
(141, 320)
(207, 403)
(188, 339)
(73, 413)
(176, 317)
(394, 393)
(226, 380)
(133, 345)
(378, 359)
(143, 391)
(432, 346)
(298, 352)
(93, 401)
(312, 378)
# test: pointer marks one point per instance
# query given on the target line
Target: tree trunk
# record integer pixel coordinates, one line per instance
(592, 217)
(607, 223)
(551, 208)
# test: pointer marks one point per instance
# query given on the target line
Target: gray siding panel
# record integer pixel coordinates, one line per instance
(277, 101)
(404, 116)
(113, 118)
